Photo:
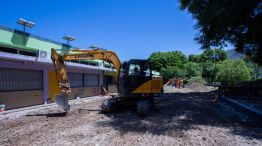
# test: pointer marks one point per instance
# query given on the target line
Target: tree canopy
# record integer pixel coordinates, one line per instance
(214, 55)
(172, 72)
(237, 22)
(192, 69)
(212, 65)
(161, 60)
(194, 58)
(233, 71)
(207, 61)
(209, 70)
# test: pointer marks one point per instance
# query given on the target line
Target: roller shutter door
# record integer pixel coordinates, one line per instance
(20, 79)
(91, 80)
(75, 79)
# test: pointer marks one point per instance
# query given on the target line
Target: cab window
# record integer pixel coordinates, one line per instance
(134, 70)
(146, 70)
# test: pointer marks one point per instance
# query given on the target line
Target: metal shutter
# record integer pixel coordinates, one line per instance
(75, 79)
(91, 80)
(20, 79)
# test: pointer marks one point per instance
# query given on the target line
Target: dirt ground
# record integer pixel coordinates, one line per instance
(186, 118)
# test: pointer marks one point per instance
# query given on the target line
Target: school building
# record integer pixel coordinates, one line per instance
(27, 76)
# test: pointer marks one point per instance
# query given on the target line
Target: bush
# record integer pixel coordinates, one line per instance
(161, 60)
(172, 72)
(233, 71)
(209, 70)
(192, 69)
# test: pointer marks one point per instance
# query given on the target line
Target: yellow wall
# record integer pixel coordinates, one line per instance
(52, 84)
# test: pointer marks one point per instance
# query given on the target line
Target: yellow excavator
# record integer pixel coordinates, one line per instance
(135, 82)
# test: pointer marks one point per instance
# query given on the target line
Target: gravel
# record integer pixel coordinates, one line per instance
(198, 87)
(181, 119)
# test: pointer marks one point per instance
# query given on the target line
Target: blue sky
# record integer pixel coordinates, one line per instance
(132, 28)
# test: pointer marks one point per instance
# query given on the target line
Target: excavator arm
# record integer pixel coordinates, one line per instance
(105, 55)
(61, 74)
(60, 71)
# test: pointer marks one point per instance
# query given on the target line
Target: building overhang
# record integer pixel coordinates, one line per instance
(37, 60)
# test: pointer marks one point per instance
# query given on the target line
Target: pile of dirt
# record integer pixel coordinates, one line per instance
(197, 87)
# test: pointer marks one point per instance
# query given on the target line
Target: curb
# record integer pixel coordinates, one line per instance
(247, 110)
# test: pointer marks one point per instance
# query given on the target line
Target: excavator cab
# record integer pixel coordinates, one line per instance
(133, 74)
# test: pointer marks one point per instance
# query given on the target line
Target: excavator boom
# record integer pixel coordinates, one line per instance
(61, 99)
(105, 55)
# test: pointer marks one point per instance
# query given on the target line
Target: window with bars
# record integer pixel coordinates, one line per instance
(20, 79)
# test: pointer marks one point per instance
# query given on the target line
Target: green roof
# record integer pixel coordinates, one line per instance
(14, 38)
(17, 46)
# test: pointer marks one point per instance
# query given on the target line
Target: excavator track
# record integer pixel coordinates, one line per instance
(144, 106)
(109, 105)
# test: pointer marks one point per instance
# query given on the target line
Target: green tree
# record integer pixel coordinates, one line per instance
(233, 71)
(209, 70)
(219, 55)
(172, 72)
(208, 60)
(255, 69)
(213, 55)
(192, 69)
(161, 60)
(194, 58)
(237, 22)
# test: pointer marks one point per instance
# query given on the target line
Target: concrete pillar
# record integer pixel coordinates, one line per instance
(45, 85)
(101, 78)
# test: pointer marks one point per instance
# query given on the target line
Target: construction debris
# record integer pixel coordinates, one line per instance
(197, 87)
(2, 107)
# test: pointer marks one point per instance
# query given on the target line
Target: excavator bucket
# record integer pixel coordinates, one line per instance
(61, 101)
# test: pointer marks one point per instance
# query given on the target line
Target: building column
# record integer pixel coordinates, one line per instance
(101, 78)
(45, 85)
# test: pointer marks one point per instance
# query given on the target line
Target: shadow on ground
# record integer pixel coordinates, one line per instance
(178, 113)
(61, 114)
